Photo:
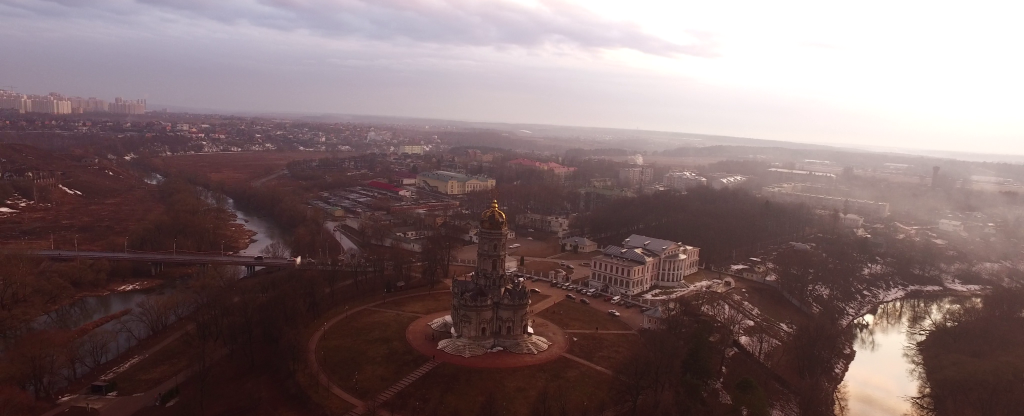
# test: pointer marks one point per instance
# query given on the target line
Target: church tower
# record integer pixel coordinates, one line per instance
(492, 250)
(491, 309)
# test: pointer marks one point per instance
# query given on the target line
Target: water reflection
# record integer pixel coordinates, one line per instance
(885, 373)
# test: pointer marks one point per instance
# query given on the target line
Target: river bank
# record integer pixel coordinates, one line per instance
(881, 375)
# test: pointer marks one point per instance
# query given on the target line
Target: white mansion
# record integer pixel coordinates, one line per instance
(644, 262)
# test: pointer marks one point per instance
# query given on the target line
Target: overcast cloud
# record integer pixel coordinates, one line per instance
(913, 76)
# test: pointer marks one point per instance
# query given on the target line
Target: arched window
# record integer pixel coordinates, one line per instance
(494, 264)
(495, 247)
(483, 331)
(508, 330)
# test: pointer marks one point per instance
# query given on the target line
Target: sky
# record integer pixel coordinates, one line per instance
(911, 74)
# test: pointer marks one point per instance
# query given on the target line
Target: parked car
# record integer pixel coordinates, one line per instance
(515, 246)
(584, 301)
(554, 283)
(595, 294)
(616, 299)
(613, 312)
(608, 299)
(258, 258)
(561, 263)
(534, 290)
(585, 264)
(581, 289)
(570, 267)
(570, 296)
(629, 305)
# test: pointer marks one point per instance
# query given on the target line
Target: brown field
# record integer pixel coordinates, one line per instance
(607, 350)
(573, 315)
(367, 352)
(101, 217)
(422, 305)
(454, 390)
(238, 167)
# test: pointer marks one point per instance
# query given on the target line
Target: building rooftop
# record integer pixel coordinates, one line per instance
(655, 245)
(451, 176)
(631, 254)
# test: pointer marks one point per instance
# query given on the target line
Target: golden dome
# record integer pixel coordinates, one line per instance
(492, 218)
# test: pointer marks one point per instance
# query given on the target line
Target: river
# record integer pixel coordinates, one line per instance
(883, 375)
(91, 308)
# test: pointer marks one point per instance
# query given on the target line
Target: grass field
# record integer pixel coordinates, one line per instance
(558, 385)
(422, 305)
(367, 352)
(606, 350)
(573, 315)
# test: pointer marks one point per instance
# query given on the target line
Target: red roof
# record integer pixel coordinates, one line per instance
(383, 186)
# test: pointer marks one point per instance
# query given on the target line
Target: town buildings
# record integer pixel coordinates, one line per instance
(453, 183)
(122, 106)
(412, 149)
(58, 104)
(553, 172)
(642, 263)
(777, 175)
(578, 244)
(726, 180)
(558, 224)
(684, 180)
(824, 198)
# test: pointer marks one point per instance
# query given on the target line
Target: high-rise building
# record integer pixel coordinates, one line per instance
(636, 175)
(122, 106)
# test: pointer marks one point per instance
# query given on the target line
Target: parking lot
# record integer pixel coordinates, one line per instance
(631, 316)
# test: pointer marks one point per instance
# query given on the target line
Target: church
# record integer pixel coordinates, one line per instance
(490, 309)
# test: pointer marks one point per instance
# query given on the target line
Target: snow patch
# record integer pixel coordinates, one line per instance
(69, 190)
(119, 369)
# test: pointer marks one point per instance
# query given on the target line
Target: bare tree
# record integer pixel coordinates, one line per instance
(276, 249)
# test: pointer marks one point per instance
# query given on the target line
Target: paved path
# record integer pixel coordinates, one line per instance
(394, 311)
(588, 363)
(588, 331)
(397, 387)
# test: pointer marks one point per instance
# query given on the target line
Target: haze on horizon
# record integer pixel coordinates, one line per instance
(911, 74)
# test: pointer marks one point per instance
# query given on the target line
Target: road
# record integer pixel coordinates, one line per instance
(186, 258)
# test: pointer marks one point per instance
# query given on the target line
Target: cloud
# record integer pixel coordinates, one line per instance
(554, 24)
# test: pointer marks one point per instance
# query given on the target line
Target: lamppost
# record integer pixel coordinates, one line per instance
(222, 247)
(174, 248)
(126, 245)
(76, 244)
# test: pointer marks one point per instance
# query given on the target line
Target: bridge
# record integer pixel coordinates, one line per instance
(157, 260)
